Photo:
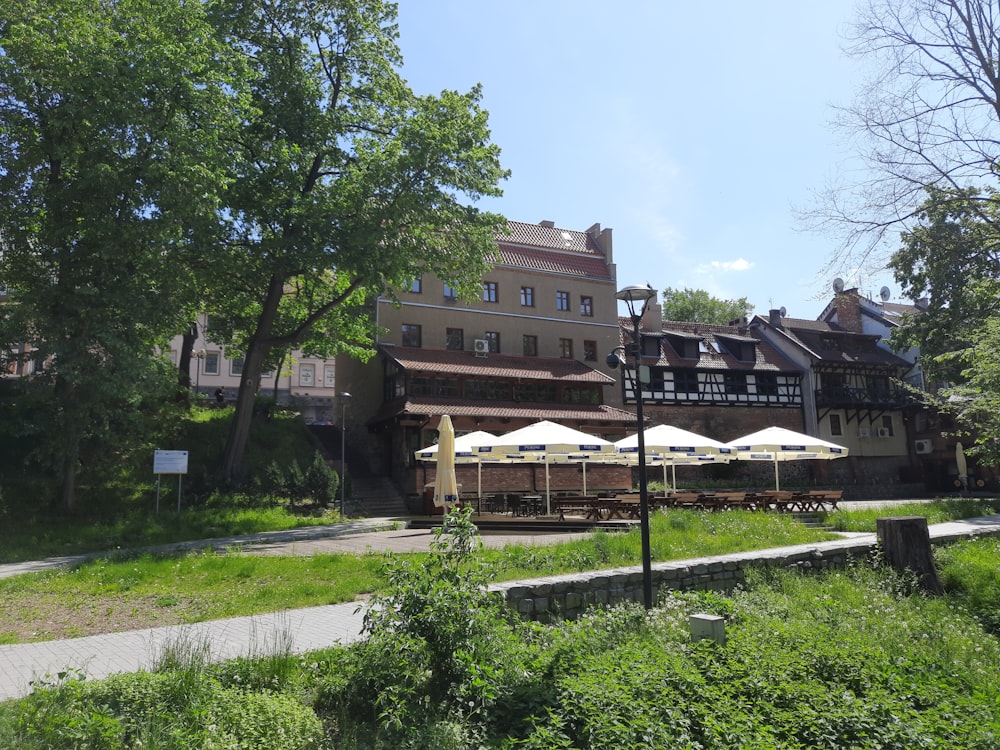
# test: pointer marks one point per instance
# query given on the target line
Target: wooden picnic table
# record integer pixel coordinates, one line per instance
(589, 506)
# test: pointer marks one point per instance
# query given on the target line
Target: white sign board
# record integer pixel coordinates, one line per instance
(170, 462)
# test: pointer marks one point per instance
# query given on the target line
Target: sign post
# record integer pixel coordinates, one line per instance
(169, 462)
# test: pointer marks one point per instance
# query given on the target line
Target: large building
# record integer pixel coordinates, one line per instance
(852, 392)
(532, 346)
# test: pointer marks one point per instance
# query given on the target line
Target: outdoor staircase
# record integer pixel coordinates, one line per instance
(375, 497)
(812, 520)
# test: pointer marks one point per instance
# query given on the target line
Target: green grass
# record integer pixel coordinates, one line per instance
(937, 511)
(37, 537)
(126, 593)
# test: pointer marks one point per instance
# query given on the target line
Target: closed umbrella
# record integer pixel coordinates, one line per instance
(445, 482)
(777, 444)
(465, 446)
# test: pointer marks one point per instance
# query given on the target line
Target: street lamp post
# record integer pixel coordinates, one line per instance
(631, 295)
(199, 357)
(344, 397)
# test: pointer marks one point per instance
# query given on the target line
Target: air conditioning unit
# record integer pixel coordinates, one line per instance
(864, 432)
(923, 446)
(481, 347)
(884, 432)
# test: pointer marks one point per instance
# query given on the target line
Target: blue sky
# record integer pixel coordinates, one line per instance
(694, 130)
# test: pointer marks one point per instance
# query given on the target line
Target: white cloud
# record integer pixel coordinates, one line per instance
(725, 266)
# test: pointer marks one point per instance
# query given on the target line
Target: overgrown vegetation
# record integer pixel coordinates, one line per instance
(283, 491)
(856, 658)
(938, 511)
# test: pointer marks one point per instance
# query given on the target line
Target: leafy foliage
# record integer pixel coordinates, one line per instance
(440, 647)
(698, 306)
(950, 259)
(110, 116)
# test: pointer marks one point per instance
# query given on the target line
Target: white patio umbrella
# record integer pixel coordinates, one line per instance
(546, 442)
(669, 445)
(659, 459)
(465, 446)
(445, 482)
(778, 444)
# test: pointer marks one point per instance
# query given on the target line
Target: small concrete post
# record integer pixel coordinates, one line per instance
(708, 626)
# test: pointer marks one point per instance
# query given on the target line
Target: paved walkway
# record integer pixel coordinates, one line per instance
(300, 630)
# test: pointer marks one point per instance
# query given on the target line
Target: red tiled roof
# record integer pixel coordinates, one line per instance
(442, 361)
(503, 409)
(553, 238)
(551, 249)
(554, 262)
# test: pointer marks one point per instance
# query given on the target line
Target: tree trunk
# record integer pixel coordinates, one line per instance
(906, 545)
(184, 361)
(257, 349)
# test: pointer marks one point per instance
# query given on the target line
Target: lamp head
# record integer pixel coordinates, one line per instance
(636, 293)
(613, 360)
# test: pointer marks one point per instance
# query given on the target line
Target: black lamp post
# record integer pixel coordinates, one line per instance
(344, 397)
(631, 295)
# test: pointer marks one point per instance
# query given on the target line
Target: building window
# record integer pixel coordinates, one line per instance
(566, 348)
(307, 375)
(236, 366)
(836, 428)
(529, 344)
(490, 291)
(686, 381)
(494, 338)
(211, 363)
(589, 351)
(887, 426)
(454, 339)
(415, 286)
(587, 307)
(527, 296)
(329, 376)
(411, 334)
(450, 292)
(767, 384)
(735, 383)
(562, 300)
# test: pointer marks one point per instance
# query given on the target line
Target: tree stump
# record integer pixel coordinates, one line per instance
(906, 544)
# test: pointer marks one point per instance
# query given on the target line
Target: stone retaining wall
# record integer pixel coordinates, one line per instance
(570, 595)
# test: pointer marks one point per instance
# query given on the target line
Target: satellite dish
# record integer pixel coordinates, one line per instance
(884, 293)
(782, 312)
(838, 285)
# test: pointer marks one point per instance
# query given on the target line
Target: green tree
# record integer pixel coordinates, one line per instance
(347, 185)
(698, 306)
(111, 116)
(951, 258)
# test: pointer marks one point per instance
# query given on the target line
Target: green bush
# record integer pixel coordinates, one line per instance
(440, 647)
(173, 710)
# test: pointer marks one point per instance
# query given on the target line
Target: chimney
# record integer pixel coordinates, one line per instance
(548, 223)
(775, 318)
(848, 305)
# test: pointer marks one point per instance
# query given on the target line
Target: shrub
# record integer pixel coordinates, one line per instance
(442, 651)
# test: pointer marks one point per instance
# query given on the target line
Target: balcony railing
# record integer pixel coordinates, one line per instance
(850, 397)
